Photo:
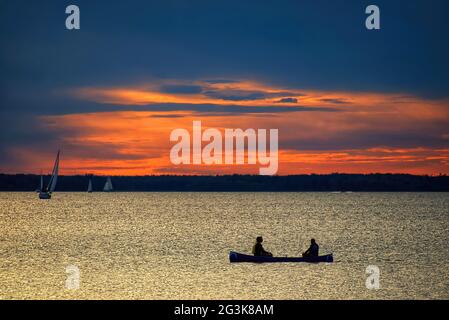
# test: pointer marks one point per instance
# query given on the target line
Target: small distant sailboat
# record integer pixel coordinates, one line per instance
(45, 192)
(89, 187)
(42, 185)
(108, 186)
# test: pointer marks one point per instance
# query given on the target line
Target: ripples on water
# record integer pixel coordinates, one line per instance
(176, 245)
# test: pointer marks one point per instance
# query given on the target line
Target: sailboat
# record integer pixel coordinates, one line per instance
(108, 186)
(89, 187)
(45, 192)
(42, 185)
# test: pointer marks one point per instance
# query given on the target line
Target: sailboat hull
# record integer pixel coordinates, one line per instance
(44, 195)
(52, 184)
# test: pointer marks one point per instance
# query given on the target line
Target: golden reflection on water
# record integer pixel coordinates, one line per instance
(176, 245)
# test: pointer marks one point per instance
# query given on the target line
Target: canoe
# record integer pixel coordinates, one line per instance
(240, 257)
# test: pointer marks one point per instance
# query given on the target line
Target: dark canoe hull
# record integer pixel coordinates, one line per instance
(239, 257)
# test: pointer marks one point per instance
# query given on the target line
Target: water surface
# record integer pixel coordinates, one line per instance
(176, 245)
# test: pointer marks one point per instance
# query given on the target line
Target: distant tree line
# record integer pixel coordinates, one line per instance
(313, 182)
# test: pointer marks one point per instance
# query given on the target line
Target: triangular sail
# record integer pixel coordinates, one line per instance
(42, 183)
(54, 176)
(108, 185)
(89, 187)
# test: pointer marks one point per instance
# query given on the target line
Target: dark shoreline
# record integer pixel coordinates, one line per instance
(238, 183)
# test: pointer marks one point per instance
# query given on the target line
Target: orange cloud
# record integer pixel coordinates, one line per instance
(413, 160)
(371, 132)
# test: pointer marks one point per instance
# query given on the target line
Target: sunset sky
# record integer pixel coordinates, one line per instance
(344, 99)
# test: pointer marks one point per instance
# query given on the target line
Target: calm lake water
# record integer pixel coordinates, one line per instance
(176, 245)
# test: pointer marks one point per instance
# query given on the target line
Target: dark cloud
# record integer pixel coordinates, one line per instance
(222, 40)
(219, 81)
(244, 95)
(228, 109)
(181, 89)
(168, 116)
(288, 100)
(335, 101)
(235, 95)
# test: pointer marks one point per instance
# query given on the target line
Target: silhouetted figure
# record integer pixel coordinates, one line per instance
(313, 250)
(258, 249)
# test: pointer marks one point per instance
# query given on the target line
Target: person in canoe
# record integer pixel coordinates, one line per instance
(258, 249)
(313, 250)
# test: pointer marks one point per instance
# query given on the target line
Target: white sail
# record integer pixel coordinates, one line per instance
(54, 175)
(42, 183)
(89, 187)
(108, 185)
